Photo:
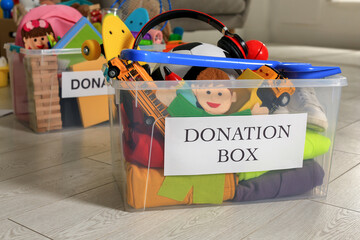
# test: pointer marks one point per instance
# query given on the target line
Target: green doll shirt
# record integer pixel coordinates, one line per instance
(209, 188)
(206, 188)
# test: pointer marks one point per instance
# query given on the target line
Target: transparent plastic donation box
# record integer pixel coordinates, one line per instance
(53, 89)
(173, 147)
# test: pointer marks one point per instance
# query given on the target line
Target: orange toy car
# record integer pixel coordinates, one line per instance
(276, 93)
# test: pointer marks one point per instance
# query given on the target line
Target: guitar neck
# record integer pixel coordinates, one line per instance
(146, 98)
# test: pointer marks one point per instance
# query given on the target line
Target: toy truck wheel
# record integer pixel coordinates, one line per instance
(91, 50)
(284, 99)
(113, 72)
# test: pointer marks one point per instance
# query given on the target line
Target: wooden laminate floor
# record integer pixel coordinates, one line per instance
(60, 186)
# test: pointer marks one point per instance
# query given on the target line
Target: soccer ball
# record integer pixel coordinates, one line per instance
(190, 72)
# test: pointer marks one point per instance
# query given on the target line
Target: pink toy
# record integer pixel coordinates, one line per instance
(60, 17)
(156, 36)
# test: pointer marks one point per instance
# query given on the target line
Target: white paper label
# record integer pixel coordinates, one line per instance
(230, 144)
(84, 83)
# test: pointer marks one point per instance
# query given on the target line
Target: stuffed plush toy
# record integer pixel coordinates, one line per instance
(23, 7)
(19, 12)
(83, 9)
(35, 34)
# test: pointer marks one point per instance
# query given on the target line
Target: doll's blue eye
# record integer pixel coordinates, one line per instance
(220, 94)
(208, 92)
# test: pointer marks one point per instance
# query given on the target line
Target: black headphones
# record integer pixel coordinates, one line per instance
(232, 43)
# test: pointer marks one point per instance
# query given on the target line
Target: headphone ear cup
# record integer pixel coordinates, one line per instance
(228, 45)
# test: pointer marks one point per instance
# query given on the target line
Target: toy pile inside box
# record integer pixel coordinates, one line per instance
(215, 124)
(53, 86)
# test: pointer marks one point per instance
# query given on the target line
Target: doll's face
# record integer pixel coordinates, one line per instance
(40, 42)
(215, 101)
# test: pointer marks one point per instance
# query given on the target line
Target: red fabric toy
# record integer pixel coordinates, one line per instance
(137, 138)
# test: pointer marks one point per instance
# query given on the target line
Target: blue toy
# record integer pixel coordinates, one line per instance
(137, 19)
(178, 30)
(7, 5)
(161, 8)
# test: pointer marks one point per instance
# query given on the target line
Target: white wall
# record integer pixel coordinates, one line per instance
(305, 22)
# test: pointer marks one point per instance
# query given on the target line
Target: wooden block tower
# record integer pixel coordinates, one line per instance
(43, 93)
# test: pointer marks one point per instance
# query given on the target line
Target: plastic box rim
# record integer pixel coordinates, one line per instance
(14, 48)
(332, 81)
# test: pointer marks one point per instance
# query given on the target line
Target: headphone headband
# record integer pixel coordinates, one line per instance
(180, 13)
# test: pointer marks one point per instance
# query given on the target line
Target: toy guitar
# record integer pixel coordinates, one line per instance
(153, 108)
